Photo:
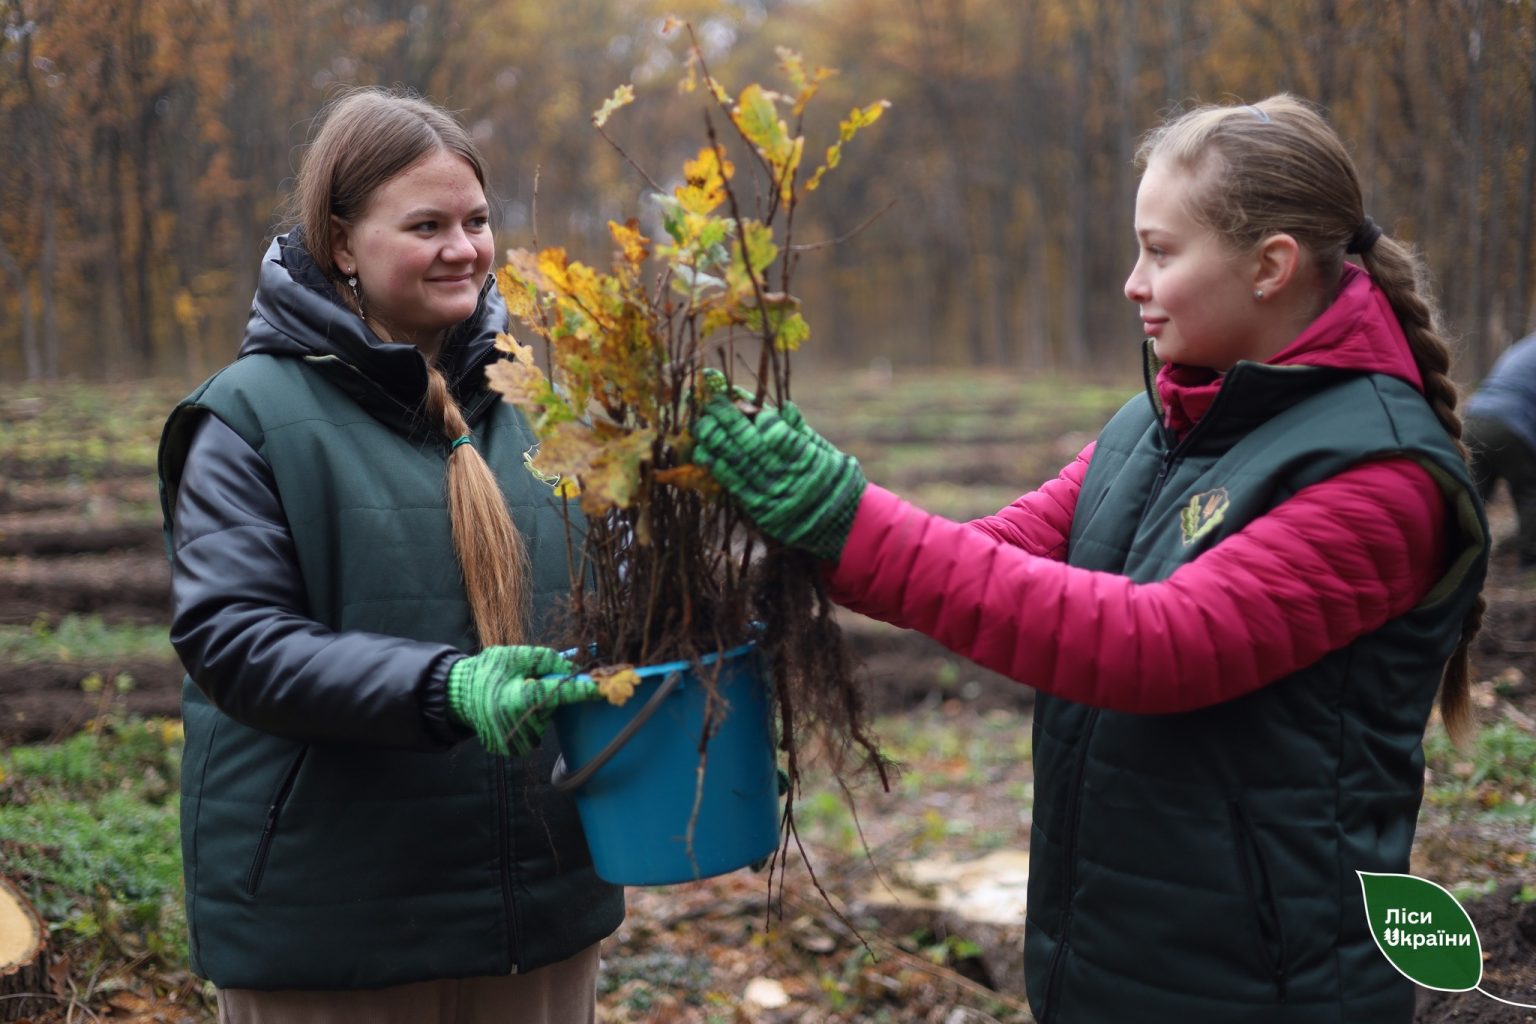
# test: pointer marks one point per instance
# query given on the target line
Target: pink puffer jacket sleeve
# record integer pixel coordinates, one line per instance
(1040, 522)
(1336, 561)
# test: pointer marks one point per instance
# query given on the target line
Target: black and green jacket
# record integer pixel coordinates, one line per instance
(1234, 680)
(1202, 866)
(340, 829)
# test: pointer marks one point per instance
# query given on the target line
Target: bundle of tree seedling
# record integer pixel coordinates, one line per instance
(670, 568)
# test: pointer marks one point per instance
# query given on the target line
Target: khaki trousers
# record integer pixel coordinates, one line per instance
(562, 993)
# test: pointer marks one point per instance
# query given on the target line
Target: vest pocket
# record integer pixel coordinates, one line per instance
(1264, 910)
(269, 828)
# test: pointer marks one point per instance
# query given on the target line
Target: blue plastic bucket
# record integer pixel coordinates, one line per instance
(636, 806)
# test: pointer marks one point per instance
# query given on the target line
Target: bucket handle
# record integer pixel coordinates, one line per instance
(565, 781)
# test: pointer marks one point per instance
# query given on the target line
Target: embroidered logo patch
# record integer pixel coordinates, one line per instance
(1203, 514)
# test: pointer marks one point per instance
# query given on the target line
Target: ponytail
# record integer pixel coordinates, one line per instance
(490, 549)
(1399, 273)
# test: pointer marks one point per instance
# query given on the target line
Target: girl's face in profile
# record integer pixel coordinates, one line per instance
(1194, 293)
(422, 249)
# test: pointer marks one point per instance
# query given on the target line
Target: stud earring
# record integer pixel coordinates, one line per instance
(1258, 294)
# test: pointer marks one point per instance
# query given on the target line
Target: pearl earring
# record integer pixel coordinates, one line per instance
(1258, 294)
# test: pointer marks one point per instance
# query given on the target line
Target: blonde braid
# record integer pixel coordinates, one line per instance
(491, 553)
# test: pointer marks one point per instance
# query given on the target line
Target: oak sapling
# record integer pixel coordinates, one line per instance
(673, 570)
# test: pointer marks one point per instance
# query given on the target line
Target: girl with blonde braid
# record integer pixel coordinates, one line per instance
(1238, 604)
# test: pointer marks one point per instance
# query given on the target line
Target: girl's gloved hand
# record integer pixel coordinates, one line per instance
(788, 479)
(500, 694)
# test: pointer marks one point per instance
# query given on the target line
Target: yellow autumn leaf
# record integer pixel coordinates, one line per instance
(567, 449)
(791, 165)
(522, 384)
(616, 682)
(508, 344)
(859, 117)
(704, 179)
(806, 86)
(552, 268)
(520, 295)
(688, 478)
(758, 119)
(751, 254)
(633, 245)
(793, 65)
(717, 317)
(623, 96)
(612, 476)
(523, 266)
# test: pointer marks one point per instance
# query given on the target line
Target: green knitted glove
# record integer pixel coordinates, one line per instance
(715, 384)
(788, 479)
(499, 693)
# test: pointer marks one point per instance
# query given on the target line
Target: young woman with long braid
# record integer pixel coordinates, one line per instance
(362, 570)
(1238, 604)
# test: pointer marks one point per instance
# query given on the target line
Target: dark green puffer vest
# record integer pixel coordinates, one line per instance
(337, 866)
(1201, 867)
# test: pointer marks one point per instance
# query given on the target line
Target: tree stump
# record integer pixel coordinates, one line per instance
(25, 990)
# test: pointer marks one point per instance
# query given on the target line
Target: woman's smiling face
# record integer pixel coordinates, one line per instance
(421, 250)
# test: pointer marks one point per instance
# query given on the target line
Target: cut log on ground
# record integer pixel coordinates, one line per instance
(24, 987)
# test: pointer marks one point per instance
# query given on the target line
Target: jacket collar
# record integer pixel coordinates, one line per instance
(1357, 333)
(297, 313)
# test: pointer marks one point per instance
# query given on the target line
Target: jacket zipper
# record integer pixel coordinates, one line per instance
(504, 857)
(1175, 451)
(1069, 849)
(269, 829)
(1176, 447)
(1260, 895)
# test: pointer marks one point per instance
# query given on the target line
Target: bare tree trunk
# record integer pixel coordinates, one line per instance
(1126, 131)
(1075, 313)
(1471, 187)
(1520, 310)
(32, 356)
(1175, 82)
(49, 262)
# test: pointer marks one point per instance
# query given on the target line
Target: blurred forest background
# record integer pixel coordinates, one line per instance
(146, 145)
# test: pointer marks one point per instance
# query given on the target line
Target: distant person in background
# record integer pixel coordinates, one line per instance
(1501, 432)
(362, 568)
(1238, 604)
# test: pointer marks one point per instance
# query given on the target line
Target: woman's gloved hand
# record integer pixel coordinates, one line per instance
(502, 695)
(787, 478)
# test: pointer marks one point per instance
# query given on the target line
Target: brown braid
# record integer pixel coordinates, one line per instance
(490, 549)
(1277, 166)
(1399, 272)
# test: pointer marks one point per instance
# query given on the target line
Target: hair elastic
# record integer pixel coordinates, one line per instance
(1364, 238)
(1261, 115)
(466, 439)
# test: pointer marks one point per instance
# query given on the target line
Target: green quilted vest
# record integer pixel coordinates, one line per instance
(1201, 867)
(319, 866)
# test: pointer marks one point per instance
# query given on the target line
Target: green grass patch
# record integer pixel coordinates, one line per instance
(85, 431)
(82, 638)
(1492, 780)
(88, 828)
